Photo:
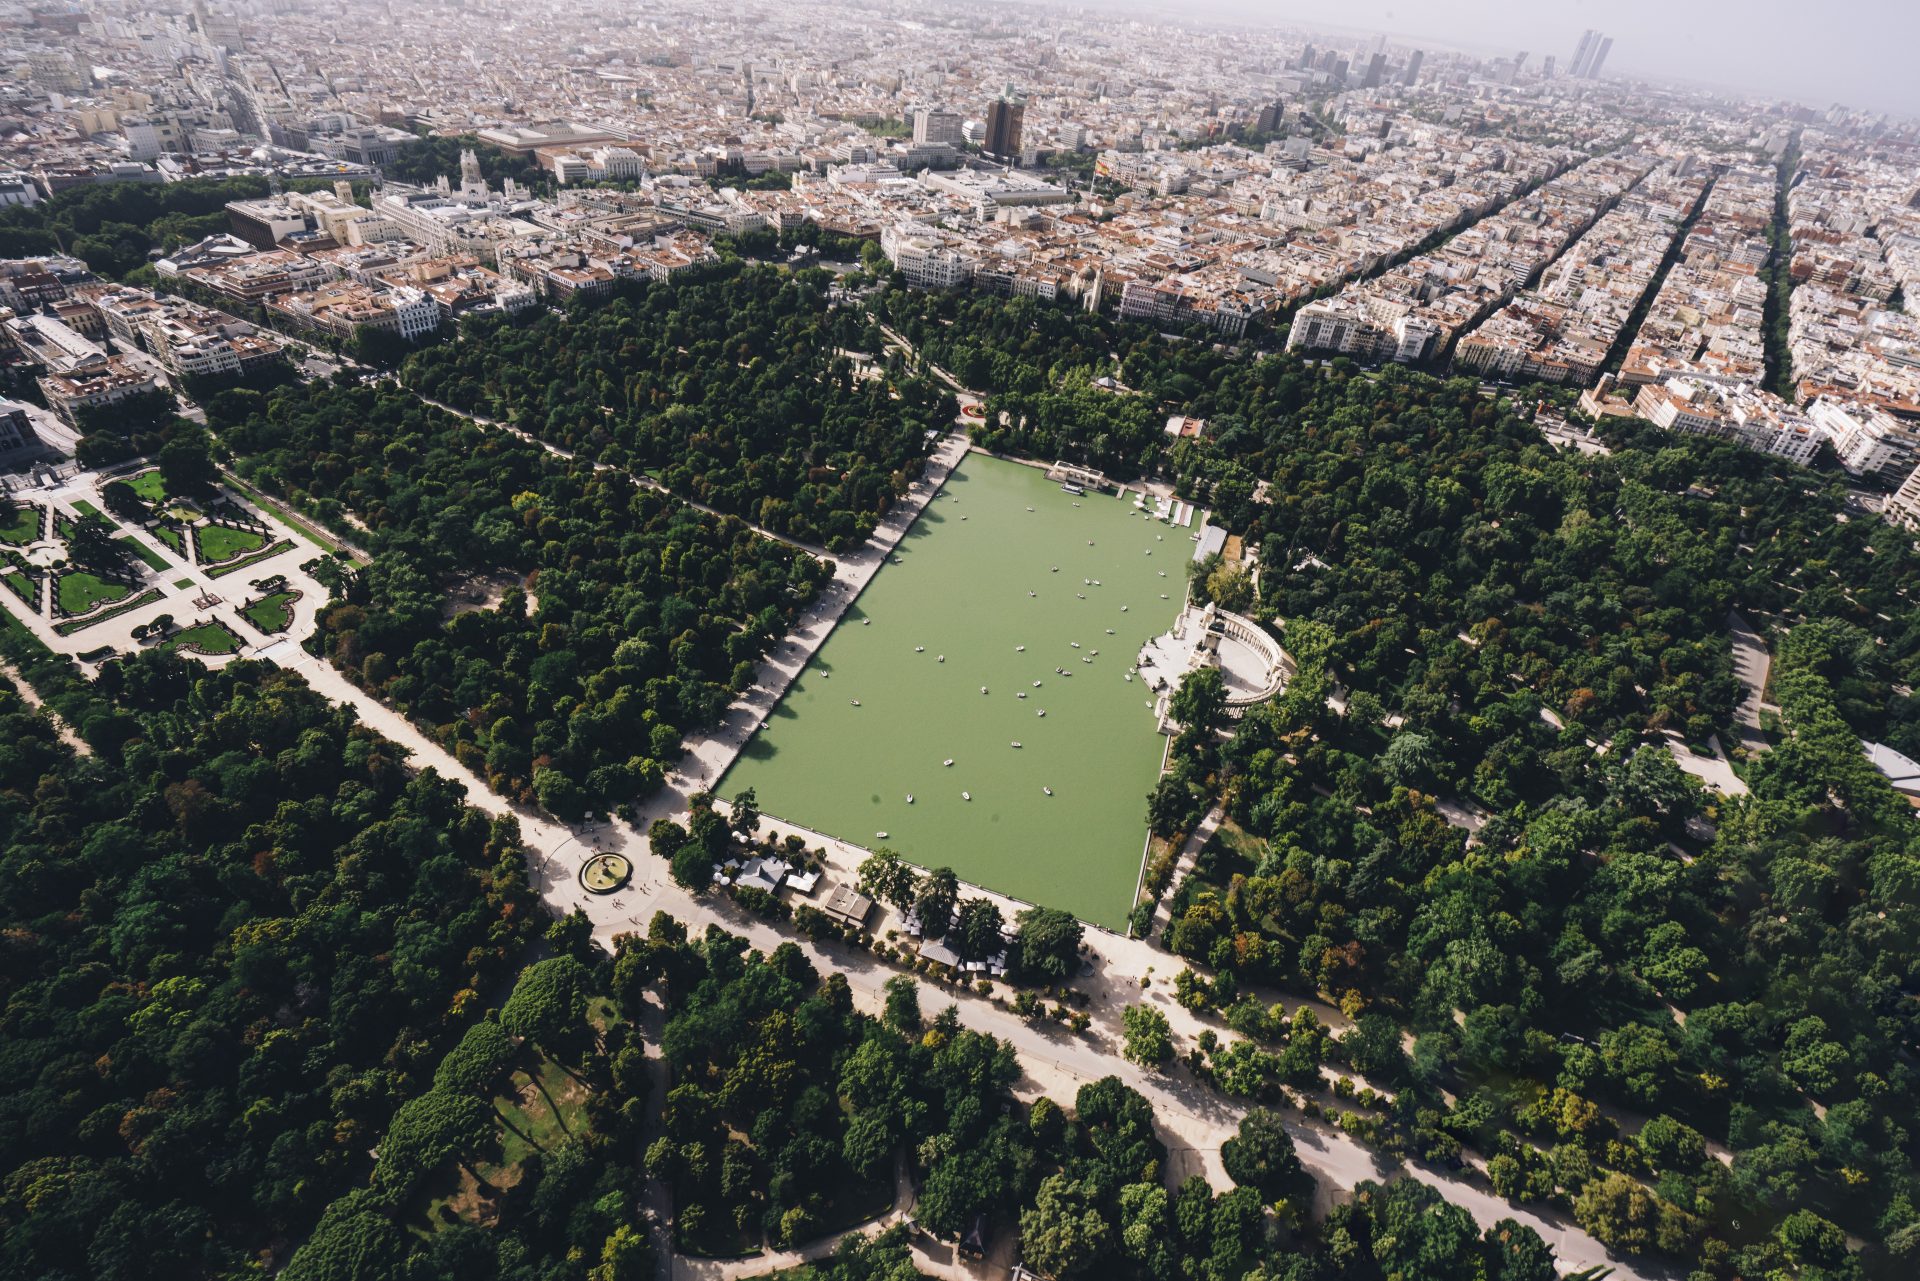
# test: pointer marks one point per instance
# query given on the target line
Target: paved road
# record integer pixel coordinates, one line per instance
(1183, 865)
(31, 697)
(1751, 664)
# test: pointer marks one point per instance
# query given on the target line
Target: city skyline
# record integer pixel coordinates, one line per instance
(1758, 48)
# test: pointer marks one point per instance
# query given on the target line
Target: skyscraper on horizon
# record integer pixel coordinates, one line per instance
(1582, 52)
(1599, 56)
(1412, 74)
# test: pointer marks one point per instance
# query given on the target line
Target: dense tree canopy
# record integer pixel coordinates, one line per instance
(731, 384)
(623, 616)
(229, 939)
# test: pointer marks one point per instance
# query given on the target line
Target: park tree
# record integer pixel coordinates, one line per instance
(886, 878)
(560, 795)
(354, 1241)
(666, 837)
(903, 1004)
(1149, 1037)
(1651, 784)
(1372, 1045)
(692, 868)
(93, 546)
(430, 1130)
(978, 929)
(626, 1255)
(745, 819)
(1811, 1241)
(1064, 1234)
(121, 499)
(1412, 759)
(1048, 940)
(1623, 1215)
(1261, 1156)
(479, 1062)
(934, 897)
(1230, 587)
(548, 1005)
(186, 463)
(1200, 703)
(1671, 1145)
(1516, 1253)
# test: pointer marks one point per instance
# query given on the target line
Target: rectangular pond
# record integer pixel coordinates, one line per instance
(1012, 582)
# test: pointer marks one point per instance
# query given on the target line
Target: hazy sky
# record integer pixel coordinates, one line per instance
(1865, 53)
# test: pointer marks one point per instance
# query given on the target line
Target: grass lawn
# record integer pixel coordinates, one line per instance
(244, 562)
(545, 1107)
(22, 525)
(153, 558)
(217, 543)
(1240, 841)
(85, 508)
(78, 591)
(207, 638)
(149, 486)
(183, 583)
(23, 586)
(73, 625)
(271, 613)
(14, 628)
(170, 535)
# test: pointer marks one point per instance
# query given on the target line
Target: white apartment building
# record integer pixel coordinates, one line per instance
(937, 125)
(186, 339)
(1744, 415)
(1903, 509)
(1337, 325)
(923, 260)
(1870, 441)
(346, 307)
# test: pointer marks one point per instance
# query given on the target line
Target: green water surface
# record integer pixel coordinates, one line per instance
(961, 589)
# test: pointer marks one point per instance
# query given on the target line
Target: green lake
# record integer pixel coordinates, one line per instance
(978, 576)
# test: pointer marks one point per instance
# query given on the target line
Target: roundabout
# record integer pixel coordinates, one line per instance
(605, 873)
(47, 553)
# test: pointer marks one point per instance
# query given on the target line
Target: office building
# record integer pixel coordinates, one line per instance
(1599, 58)
(1005, 116)
(16, 429)
(1376, 68)
(936, 125)
(1589, 40)
(1412, 73)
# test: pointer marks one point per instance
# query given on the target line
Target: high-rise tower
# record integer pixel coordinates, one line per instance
(1599, 57)
(1005, 116)
(1582, 52)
